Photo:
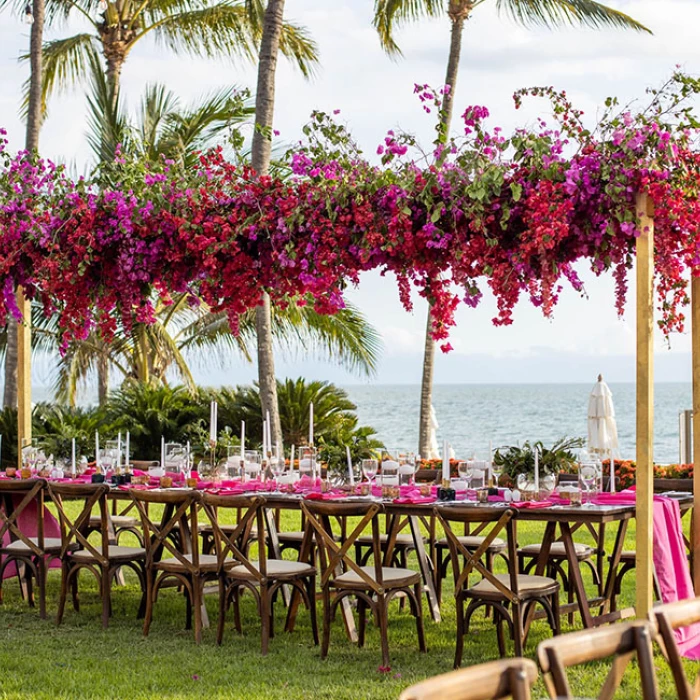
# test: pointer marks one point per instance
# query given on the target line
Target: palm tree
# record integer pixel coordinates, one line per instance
(389, 14)
(193, 27)
(155, 352)
(270, 46)
(33, 13)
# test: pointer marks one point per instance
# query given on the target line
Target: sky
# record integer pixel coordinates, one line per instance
(375, 94)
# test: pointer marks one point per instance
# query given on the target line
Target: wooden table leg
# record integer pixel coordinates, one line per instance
(550, 532)
(575, 574)
(614, 563)
(424, 565)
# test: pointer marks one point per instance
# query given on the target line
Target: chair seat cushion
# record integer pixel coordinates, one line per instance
(207, 562)
(117, 521)
(393, 577)
(115, 552)
(402, 540)
(276, 568)
(526, 584)
(583, 551)
(50, 544)
(474, 542)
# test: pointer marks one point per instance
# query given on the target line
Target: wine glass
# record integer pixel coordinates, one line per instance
(307, 462)
(369, 469)
(548, 483)
(588, 474)
(278, 467)
(464, 469)
(252, 465)
(496, 470)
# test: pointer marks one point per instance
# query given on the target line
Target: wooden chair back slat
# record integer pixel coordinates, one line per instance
(670, 617)
(622, 642)
(500, 519)
(30, 490)
(497, 680)
(233, 545)
(179, 524)
(75, 531)
(334, 557)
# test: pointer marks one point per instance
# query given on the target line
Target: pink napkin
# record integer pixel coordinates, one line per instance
(414, 500)
(530, 505)
(330, 496)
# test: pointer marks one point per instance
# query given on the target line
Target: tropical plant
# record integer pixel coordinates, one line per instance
(55, 426)
(390, 14)
(228, 28)
(270, 45)
(33, 13)
(150, 412)
(163, 349)
(362, 443)
(520, 459)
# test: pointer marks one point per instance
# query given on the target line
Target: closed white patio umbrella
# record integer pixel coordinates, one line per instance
(602, 427)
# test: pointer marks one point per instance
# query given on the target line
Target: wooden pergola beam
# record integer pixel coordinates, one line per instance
(24, 375)
(645, 404)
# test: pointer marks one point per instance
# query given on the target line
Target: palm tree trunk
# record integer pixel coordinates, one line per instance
(34, 119)
(115, 63)
(458, 15)
(102, 378)
(262, 145)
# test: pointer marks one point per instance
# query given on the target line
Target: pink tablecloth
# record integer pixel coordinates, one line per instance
(27, 524)
(670, 561)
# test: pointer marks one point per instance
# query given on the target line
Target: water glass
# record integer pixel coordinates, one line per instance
(479, 473)
(465, 471)
(390, 473)
(588, 477)
(307, 462)
(252, 465)
(369, 469)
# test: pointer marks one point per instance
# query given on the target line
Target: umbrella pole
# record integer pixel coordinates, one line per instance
(645, 403)
(695, 335)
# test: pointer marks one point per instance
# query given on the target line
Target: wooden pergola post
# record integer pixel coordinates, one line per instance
(24, 375)
(645, 404)
(695, 334)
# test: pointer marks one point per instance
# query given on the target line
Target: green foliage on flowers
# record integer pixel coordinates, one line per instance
(560, 457)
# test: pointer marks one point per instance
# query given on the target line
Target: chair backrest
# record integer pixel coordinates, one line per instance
(670, 617)
(509, 678)
(621, 641)
(334, 556)
(75, 530)
(232, 544)
(177, 532)
(466, 562)
(16, 497)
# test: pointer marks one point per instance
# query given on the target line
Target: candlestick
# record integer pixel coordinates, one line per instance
(268, 447)
(445, 461)
(491, 462)
(119, 450)
(537, 470)
(264, 437)
(291, 460)
(311, 423)
(126, 449)
(213, 410)
(350, 474)
(187, 459)
(72, 457)
(97, 448)
(242, 439)
(162, 453)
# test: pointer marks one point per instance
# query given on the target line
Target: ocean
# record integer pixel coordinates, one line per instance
(469, 415)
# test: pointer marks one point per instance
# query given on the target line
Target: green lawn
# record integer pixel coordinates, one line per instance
(80, 660)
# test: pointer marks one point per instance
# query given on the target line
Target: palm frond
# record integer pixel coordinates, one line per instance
(209, 32)
(297, 45)
(391, 14)
(345, 337)
(65, 63)
(167, 355)
(212, 331)
(555, 13)
(256, 13)
(156, 104)
(107, 124)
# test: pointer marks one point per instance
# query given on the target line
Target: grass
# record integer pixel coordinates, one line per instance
(80, 660)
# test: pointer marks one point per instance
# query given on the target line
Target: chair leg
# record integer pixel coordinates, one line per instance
(500, 636)
(265, 618)
(41, 584)
(29, 583)
(518, 628)
(63, 594)
(419, 616)
(222, 610)
(150, 592)
(326, 638)
(237, 611)
(197, 586)
(361, 621)
(383, 615)
(106, 602)
(74, 590)
(459, 645)
(311, 593)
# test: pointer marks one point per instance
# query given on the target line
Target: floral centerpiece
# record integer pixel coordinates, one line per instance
(520, 459)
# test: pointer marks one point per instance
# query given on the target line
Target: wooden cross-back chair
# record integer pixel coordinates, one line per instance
(510, 595)
(173, 552)
(263, 577)
(670, 617)
(341, 576)
(622, 642)
(403, 543)
(30, 550)
(79, 553)
(496, 680)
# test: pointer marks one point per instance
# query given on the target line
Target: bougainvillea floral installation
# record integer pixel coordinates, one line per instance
(516, 213)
